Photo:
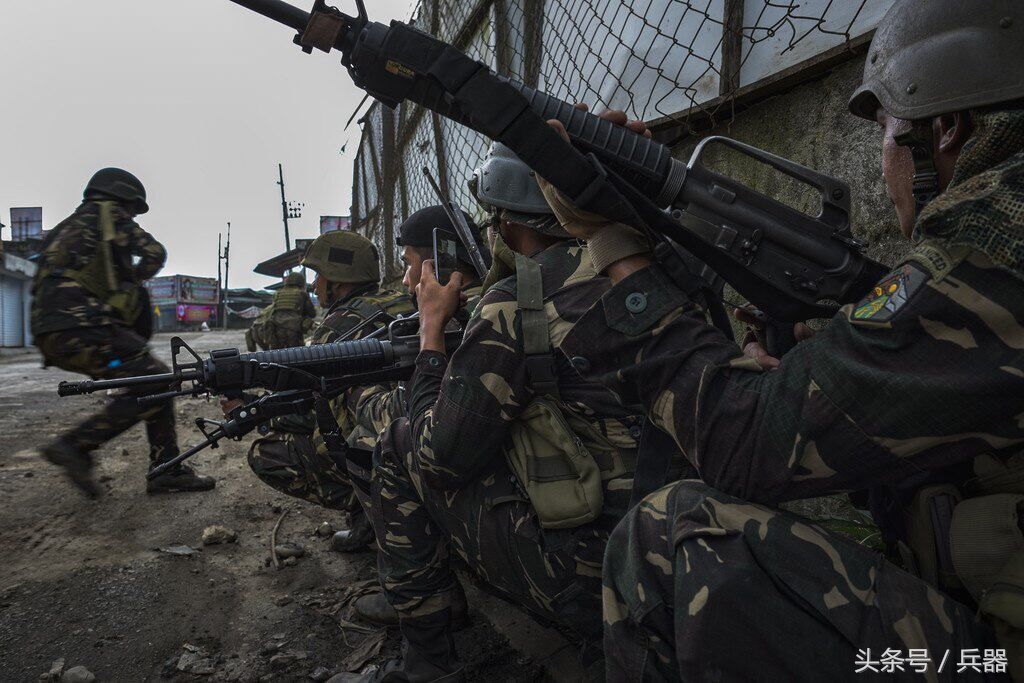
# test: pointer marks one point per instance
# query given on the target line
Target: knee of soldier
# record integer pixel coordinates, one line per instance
(639, 560)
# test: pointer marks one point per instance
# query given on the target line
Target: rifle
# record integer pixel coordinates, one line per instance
(791, 265)
(300, 376)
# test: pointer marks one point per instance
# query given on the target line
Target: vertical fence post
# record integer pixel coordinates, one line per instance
(439, 150)
(533, 39)
(732, 47)
(389, 169)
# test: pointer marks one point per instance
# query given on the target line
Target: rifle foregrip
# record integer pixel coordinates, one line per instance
(642, 160)
(330, 360)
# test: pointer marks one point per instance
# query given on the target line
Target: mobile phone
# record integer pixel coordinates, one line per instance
(446, 260)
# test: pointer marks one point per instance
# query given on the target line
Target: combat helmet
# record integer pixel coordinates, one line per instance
(295, 280)
(505, 184)
(931, 57)
(116, 183)
(343, 256)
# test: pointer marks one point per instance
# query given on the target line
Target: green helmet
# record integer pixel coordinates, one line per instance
(116, 183)
(295, 279)
(343, 256)
(931, 57)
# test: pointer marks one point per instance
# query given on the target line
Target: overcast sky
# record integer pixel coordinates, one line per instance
(199, 98)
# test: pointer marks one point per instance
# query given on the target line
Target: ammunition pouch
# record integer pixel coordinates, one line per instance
(127, 299)
(974, 542)
(560, 459)
(561, 462)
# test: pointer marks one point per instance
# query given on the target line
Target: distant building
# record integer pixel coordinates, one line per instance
(183, 302)
(244, 305)
(16, 275)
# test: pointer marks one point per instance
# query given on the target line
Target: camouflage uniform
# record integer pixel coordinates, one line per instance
(907, 388)
(255, 337)
(440, 477)
(76, 331)
(291, 316)
(300, 464)
(375, 408)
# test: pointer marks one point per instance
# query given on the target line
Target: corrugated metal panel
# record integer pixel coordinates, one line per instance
(12, 327)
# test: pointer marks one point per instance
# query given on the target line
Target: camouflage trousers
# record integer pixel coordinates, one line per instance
(109, 352)
(554, 574)
(299, 466)
(701, 586)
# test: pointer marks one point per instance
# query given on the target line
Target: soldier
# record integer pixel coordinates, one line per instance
(291, 315)
(87, 315)
(507, 456)
(378, 406)
(915, 394)
(291, 461)
(255, 338)
(296, 460)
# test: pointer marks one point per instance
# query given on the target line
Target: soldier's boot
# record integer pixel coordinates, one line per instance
(428, 655)
(181, 478)
(77, 465)
(356, 538)
(375, 608)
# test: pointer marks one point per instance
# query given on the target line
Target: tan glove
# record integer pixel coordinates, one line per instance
(607, 240)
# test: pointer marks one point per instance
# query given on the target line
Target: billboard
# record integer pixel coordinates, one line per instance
(328, 223)
(162, 288)
(192, 313)
(183, 289)
(197, 290)
(26, 222)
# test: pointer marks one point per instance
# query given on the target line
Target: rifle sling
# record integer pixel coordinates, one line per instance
(540, 362)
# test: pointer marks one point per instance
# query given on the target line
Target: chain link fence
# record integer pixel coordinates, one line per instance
(681, 65)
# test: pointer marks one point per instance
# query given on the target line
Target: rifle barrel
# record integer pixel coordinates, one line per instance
(91, 386)
(281, 12)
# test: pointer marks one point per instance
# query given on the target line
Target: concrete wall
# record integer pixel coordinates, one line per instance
(812, 125)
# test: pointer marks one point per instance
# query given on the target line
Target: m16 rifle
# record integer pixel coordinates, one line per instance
(790, 264)
(298, 378)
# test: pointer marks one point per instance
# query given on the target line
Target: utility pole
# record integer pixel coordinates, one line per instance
(221, 306)
(288, 209)
(226, 256)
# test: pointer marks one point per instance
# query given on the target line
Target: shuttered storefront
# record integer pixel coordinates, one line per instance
(12, 312)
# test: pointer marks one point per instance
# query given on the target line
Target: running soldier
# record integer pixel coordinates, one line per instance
(89, 315)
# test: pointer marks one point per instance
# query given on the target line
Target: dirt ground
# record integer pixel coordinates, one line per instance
(85, 581)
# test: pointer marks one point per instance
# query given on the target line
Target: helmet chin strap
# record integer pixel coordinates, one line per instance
(926, 178)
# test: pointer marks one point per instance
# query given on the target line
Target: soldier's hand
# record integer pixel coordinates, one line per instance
(437, 305)
(751, 344)
(609, 242)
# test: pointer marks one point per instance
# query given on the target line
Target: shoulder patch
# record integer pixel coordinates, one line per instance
(891, 294)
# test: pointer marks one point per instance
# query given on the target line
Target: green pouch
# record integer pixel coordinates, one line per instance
(988, 552)
(561, 478)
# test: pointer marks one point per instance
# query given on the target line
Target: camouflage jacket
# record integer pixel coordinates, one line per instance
(378, 406)
(460, 411)
(60, 303)
(345, 315)
(905, 387)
